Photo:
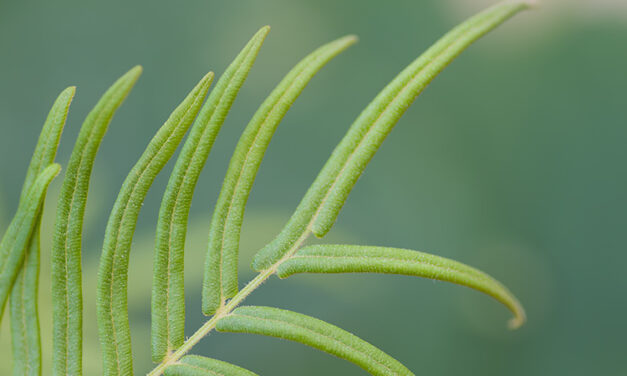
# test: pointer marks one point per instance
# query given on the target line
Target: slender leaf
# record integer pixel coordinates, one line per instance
(49, 138)
(363, 259)
(67, 296)
(168, 293)
(220, 279)
(113, 325)
(319, 208)
(316, 333)
(17, 237)
(25, 332)
(194, 365)
(23, 299)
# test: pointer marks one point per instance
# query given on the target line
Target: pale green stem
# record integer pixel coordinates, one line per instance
(224, 311)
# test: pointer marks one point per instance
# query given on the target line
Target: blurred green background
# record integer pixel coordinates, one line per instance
(512, 161)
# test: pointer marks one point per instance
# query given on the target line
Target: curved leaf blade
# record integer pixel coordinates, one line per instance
(67, 296)
(168, 292)
(365, 259)
(48, 142)
(113, 324)
(316, 333)
(396, 99)
(17, 237)
(25, 333)
(319, 208)
(220, 278)
(194, 365)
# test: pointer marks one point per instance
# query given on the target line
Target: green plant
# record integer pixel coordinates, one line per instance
(286, 255)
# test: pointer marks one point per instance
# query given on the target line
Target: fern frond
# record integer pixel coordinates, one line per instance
(316, 333)
(168, 325)
(17, 237)
(67, 296)
(363, 259)
(319, 208)
(112, 302)
(194, 365)
(220, 278)
(23, 299)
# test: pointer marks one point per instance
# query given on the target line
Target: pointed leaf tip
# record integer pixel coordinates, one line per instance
(519, 319)
(353, 37)
(69, 91)
(207, 77)
(138, 69)
(348, 40)
(132, 75)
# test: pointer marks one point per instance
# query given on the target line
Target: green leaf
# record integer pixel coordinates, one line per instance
(362, 259)
(168, 292)
(23, 299)
(17, 237)
(48, 141)
(220, 279)
(319, 208)
(113, 324)
(194, 365)
(67, 296)
(316, 333)
(25, 333)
